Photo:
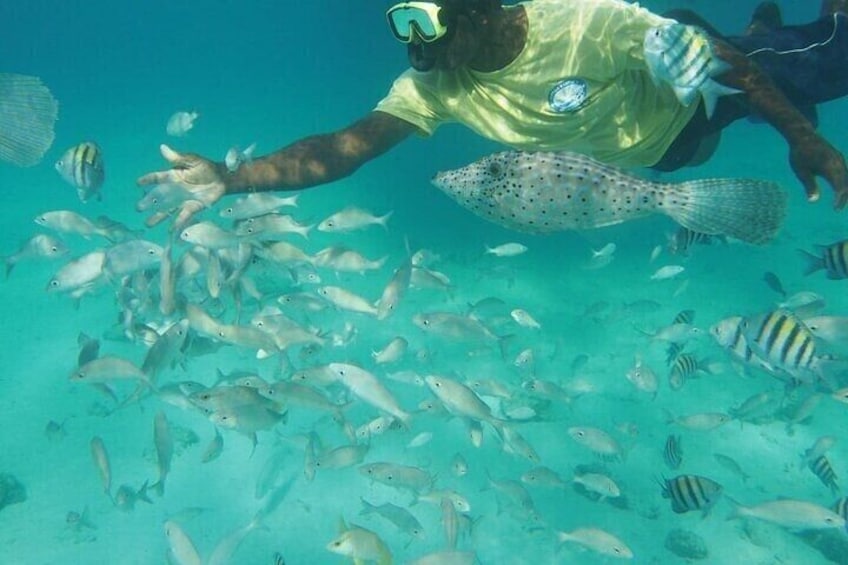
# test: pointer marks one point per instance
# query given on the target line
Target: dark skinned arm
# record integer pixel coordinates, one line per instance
(810, 155)
(321, 158)
(311, 161)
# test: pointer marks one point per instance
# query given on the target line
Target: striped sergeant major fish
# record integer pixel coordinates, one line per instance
(729, 336)
(681, 241)
(691, 492)
(784, 343)
(822, 468)
(685, 366)
(841, 508)
(833, 259)
(682, 57)
(673, 452)
(82, 167)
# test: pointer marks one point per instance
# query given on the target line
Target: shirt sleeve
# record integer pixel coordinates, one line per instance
(412, 100)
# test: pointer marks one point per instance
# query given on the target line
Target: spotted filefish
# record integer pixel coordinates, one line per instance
(683, 57)
(548, 192)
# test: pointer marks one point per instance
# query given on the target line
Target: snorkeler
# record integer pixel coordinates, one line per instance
(562, 75)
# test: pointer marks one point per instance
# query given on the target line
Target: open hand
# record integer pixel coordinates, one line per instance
(202, 181)
(814, 156)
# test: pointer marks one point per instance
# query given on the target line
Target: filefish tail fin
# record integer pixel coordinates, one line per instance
(814, 262)
(27, 114)
(745, 209)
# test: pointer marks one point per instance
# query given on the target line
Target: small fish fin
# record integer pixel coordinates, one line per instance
(685, 94)
(814, 262)
(745, 209)
(719, 67)
(384, 219)
(142, 492)
(711, 92)
(248, 153)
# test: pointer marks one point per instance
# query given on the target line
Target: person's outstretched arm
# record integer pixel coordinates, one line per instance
(311, 161)
(321, 158)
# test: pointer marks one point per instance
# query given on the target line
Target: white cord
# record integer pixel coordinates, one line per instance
(803, 49)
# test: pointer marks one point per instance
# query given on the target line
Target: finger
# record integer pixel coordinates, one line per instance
(177, 160)
(155, 219)
(809, 181)
(159, 177)
(838, 179)
(187, 210)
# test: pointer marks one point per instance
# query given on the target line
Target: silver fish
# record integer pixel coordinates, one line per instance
(180, 123)
(235, 157)
(82, 167)
(682, 56)
(38, 246)
(164, 449)
(131, 256)
(257, 204)
(550, 192)
(352, 218)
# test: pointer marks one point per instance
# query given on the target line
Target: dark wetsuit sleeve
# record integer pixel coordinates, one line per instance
(809, 63)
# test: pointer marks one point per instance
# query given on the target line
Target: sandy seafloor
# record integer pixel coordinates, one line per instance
(257, 72)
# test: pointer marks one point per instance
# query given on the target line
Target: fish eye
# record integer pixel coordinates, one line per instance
(151, 252)
(229, 210)
(494, 169)
(54, 283)
(330, 224)
(155, 201)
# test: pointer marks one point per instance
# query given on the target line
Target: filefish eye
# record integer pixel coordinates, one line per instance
(54, 283)
(151, 252)
(221, 333)
(155, 200)
(54, 249)
(581, 433)
(330, 224)
(229, 210)
(494, 169)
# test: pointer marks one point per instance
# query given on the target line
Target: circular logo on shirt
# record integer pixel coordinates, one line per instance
(568, 95)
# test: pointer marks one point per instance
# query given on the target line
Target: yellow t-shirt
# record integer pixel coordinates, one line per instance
(579, 84)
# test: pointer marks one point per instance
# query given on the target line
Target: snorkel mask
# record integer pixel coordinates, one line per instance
(419, 25)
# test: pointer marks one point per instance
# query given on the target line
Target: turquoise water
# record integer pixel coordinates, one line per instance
(271, 73)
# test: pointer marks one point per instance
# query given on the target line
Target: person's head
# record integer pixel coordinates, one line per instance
(443, 33)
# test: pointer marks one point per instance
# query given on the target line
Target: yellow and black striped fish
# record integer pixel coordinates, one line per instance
(832, 258)
(682, 57)
(673, 452)
(82, 167)
(684, 367)
(691, 492)
(783, 342)
(841, 508)
(822, 468)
